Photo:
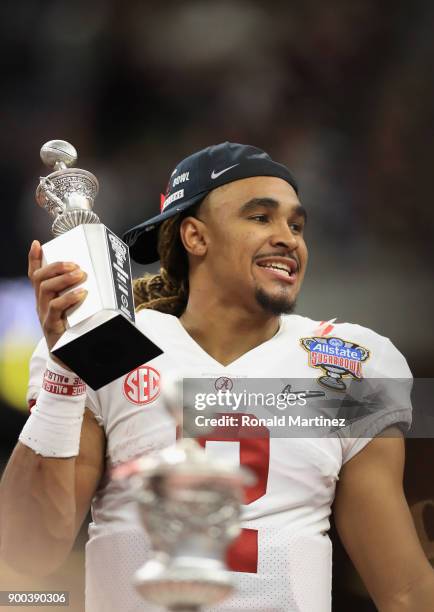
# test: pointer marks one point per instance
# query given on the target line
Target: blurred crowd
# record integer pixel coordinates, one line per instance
(340, 91)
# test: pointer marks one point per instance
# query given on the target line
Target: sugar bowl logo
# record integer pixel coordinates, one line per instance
(337, 358)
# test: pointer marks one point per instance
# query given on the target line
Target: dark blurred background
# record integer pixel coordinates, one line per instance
(341, 91)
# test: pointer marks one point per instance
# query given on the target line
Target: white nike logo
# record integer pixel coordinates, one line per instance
(215, 174)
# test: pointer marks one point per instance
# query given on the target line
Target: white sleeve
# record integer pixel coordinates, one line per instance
(38, 362)
(385, 398)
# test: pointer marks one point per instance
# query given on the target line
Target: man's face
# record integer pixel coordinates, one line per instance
(255, 248)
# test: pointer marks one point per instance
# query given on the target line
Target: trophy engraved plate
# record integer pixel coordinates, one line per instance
(101, 342)
(121, 271)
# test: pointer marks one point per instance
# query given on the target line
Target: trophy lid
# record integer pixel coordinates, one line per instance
(58, 154)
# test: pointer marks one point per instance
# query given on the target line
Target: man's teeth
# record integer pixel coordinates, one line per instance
(277, 267)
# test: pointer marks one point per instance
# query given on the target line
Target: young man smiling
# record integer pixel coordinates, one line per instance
(230, 238)
(254, 248)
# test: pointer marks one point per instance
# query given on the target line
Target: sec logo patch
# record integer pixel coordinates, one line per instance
(142, 385)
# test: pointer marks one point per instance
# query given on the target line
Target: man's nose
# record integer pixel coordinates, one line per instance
(283, 236)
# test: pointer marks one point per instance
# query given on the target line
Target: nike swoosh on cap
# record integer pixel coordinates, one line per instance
(215, 174)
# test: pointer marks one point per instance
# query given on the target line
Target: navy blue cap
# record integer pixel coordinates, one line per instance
(192, 179)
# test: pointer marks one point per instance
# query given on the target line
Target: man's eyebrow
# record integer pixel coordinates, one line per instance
(271, 203)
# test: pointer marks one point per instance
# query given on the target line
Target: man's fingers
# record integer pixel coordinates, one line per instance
(48, 281)
(54, 323)
(50, 271)
(35, 258)
(50, 288)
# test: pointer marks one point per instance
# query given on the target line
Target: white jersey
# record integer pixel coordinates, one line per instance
(284, 557)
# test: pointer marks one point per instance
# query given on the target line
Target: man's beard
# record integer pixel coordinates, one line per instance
(274, 305)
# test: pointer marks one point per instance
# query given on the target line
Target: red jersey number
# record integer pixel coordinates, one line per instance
(242, 555)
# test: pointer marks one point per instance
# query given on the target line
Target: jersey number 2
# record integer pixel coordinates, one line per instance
(254, 447)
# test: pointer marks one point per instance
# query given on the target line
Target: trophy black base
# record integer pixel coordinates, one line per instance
(104, 347)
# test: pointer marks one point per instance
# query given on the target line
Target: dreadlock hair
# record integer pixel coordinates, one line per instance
(168, 290)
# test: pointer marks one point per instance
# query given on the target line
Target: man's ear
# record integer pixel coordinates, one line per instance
(194, 236)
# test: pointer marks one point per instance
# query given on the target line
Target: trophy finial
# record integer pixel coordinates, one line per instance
(67, 193)
(58, 154)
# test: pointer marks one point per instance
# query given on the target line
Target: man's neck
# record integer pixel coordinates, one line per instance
(226, 334)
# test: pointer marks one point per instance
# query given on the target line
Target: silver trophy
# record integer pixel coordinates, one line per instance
(190, 508)
(101, 342)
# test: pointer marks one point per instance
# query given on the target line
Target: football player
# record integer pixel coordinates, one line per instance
(231, 240)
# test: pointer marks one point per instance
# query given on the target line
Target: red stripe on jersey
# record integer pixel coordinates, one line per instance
(242, 555)
(327, 330)
(323, 329)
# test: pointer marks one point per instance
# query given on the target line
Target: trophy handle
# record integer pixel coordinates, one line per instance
(52, 204)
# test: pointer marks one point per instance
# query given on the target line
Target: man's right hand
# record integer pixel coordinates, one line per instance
(48, 282)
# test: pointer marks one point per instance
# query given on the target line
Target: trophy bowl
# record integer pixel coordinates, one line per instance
(190, 508)
(67, 194)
